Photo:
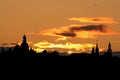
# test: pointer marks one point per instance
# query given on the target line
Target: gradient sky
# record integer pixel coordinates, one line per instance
(51, 22)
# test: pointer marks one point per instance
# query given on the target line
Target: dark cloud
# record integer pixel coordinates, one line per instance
(4, 44)
(67, 34)
(78, 31)
(13, 43)
(72, 30)
(101, 28)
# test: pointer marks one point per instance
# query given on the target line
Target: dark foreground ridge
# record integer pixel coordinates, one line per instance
(21, 54)
(13, 58)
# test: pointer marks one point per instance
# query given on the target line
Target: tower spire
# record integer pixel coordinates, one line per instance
(93, 51)
(24, 39)
(109, 48)
(109, 51)
(97, 48)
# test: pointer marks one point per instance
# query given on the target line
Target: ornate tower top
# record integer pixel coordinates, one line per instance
(24, 37)
(24, 44)
(97, 49)
(96, 43)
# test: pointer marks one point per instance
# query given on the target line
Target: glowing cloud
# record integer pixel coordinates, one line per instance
(100, 20)
(40, 46)
(13, 44)
(83, 31)
(9, 44)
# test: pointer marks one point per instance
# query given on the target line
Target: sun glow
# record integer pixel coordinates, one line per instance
(40, 46)
(70, 52)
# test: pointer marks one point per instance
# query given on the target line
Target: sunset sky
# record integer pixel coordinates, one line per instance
(64, 25)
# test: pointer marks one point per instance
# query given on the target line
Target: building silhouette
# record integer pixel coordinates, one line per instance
(93, 51)
(17, 47)
(24, 46)
(109, 51)
(97, 50)
(22, 54)
(109, 48)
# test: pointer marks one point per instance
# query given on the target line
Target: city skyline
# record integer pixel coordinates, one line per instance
(24, 45)
(62, 25)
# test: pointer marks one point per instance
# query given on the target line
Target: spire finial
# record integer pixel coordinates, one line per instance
(24, 37)
(109, 45)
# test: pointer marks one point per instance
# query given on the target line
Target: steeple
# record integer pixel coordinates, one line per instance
(93, 51)
(109, 48)
(97, 49)
(24, 39)
(108, 54)
(109, 45)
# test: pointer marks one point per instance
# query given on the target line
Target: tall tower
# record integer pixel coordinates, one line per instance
(109, 48)
(108, 54)
(97, 49)
(24, 45)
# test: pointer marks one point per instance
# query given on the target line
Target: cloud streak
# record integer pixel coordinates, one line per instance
(8, 44)
(81, 31)
(13, 44)
(100, 20)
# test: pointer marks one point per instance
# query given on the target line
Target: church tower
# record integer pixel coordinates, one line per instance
(24, 45)
(109, 48)
(97, 49)
(108, 54)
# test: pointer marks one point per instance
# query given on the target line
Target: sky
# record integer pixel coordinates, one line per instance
(63, 25)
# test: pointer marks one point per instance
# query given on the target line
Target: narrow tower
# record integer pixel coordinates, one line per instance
(93, 51)
(109, 48)
(109, 51)
(97, 49)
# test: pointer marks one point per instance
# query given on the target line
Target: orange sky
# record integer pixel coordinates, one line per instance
(58, 22)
